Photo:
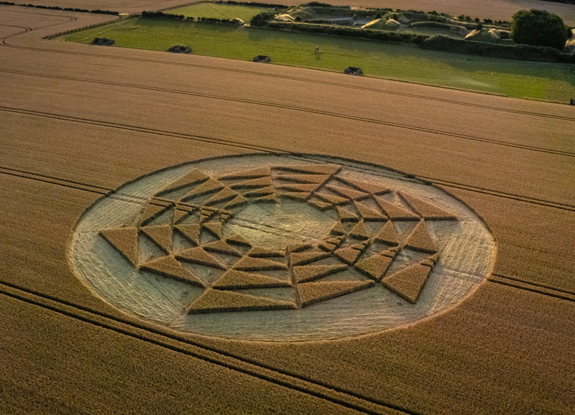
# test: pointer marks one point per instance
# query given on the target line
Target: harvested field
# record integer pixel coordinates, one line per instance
(219, 11)
(80, 121)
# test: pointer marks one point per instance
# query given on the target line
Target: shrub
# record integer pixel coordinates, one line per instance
(347, 31)
(539, 28)
(519, 52)
(317, 4)
(261, 19)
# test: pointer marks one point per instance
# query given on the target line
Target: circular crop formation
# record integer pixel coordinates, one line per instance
(278, 247)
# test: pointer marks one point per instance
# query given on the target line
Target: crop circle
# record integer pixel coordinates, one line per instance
(281, 248)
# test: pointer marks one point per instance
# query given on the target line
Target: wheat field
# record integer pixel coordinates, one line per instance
(80, 121)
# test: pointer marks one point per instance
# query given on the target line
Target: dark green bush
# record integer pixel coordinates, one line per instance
(261, 19)
(519, 52)
(347, 31)
(539, 28)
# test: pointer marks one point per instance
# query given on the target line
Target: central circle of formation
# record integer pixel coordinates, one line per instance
(283, 238)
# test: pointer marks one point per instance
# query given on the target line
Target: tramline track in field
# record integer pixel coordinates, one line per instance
(258, 148)
(307, 111)
(180, 344)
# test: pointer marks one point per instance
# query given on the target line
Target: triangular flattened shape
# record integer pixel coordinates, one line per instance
(394, 211)
(314, 292)
(271, 198)
(391, 252)
(348, 255)
(359, 231)
(328, 246)
(408, 283)
(345, 215)
(198, 256)
(258, 264)
(263, 191)
(236, 280)
(125, 241)
(253, 183)
(223, 196)
(368, 213)
(235, 239)
(328, 169)
(210, 186)
(298, 247)
(319, 204)
(215, 228)
(364, 186)
(302, 196)
(297, 187)
(220, 301)
(302, 258)
(193, 178)
(180, 214)
(151, 212)
(314, 272)
(425, 209)
(161, 235)
(331, 198)
(303, 178)
(247, 174)
(238, 201)
(190, 231)
(347, 192)
(387, 234)
(206, 214)
(337, 229)
(421, 240)
(375, 266)
(169, 267)
(258, 252)
(221, 247)
(430, 261)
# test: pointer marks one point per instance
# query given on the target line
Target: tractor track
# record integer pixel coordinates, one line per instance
(266, 149)
(180, 344)
(304, 110)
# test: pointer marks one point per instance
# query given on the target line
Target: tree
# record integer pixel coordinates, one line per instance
(538, 28)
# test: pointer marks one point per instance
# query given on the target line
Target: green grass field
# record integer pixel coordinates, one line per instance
(545, 81)
(219, 11)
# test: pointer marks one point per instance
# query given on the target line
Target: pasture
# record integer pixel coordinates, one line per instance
(518, 79)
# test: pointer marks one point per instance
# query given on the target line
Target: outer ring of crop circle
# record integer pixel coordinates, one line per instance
(302, 158)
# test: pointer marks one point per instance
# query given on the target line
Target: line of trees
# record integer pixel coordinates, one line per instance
(67, 9)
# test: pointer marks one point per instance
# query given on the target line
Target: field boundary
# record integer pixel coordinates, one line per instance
(179, 344)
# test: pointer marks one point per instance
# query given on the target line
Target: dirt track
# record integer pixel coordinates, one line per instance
(79, 121)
